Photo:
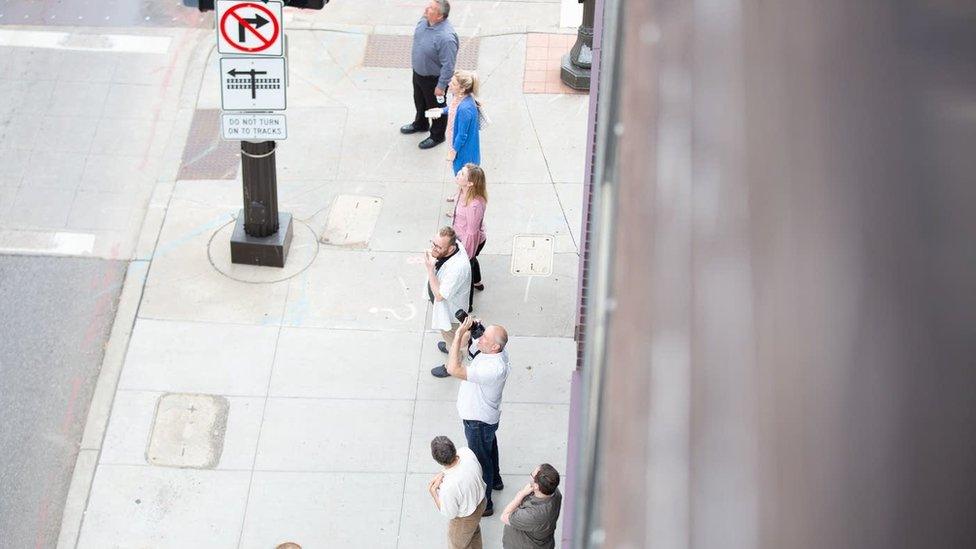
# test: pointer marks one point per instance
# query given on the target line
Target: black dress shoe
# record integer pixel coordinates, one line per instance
(488, 512)
(498, 486)
(440, 371)
(410, 128)
(442, 347)
(429, 143)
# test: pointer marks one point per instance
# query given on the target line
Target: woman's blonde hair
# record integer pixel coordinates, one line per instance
(479, 187)
(467, 81)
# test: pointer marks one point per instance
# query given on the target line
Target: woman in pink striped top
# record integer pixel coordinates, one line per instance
(469, 219)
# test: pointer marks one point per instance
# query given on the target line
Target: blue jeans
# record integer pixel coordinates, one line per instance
(481, 440)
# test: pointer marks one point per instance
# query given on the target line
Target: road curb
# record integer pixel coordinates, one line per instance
(101, 403)
(130, 299)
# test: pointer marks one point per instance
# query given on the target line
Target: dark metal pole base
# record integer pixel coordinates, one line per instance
(573, 76)
(269, 251)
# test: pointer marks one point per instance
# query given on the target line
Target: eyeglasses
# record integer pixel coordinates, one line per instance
(435, 246)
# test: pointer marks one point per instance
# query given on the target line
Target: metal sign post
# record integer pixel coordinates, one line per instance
(252, 85)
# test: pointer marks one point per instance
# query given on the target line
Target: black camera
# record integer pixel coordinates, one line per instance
(477, 329)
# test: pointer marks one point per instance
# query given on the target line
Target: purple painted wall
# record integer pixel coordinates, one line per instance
(572, 450)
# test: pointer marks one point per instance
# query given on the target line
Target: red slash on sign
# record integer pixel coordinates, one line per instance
(249, 18)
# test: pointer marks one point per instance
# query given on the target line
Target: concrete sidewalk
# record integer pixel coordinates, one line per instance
(319, 372)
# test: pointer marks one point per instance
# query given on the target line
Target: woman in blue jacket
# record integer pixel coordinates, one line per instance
(464, 120)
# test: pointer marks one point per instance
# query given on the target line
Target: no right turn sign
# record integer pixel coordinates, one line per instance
(249, 28)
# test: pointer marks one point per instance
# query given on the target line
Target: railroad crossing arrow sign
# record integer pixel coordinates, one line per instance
(252, 83)
(249, 27)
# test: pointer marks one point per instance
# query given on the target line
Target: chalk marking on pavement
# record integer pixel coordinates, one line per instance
(167, 78)
(166, 247)
(410, 315)
(406, 295)
(296, 312)
(411, 308)
(528, 283)
(121, 43)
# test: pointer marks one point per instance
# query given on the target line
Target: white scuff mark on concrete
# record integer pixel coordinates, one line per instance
(121, 43)
(39, 242)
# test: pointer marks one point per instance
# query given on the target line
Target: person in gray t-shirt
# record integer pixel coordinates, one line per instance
(530, 518)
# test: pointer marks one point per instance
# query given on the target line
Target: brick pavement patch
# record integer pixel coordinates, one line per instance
(206, 155)
(543, 60)
(393, 52)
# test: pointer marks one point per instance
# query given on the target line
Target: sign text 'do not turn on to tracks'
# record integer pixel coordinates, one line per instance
(249, 28)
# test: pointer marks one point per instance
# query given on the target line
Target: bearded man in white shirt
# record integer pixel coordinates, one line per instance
(448, 286)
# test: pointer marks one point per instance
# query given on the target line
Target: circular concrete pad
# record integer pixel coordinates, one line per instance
(304, 248)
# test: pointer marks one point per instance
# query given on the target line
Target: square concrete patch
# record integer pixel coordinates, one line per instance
(352, 220)
(532, 255)
(188, 431)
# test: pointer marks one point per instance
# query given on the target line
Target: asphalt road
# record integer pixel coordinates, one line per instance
(56, 314)
(55, 318)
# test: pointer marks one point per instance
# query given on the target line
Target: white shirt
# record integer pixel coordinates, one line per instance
(462, 488)
(480, 396)
(455, 281)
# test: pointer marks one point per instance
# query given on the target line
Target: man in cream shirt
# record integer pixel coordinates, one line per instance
(448, 286)
(458, 493)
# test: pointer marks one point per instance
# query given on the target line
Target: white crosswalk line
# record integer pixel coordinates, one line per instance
(122, 43)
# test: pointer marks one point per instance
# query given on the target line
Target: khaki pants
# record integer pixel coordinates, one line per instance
(465, 532)
(449, 335)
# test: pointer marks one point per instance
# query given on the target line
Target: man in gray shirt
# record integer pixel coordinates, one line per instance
(435, 47)
(530, 518)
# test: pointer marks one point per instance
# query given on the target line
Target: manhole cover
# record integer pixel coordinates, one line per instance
(393, 52)
(352, 220)
(188, 431)
(532, 255)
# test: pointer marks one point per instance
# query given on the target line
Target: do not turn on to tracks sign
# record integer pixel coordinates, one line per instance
(249, 28)
(236, 126)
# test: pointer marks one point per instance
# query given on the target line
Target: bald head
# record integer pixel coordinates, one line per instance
(494, 340)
